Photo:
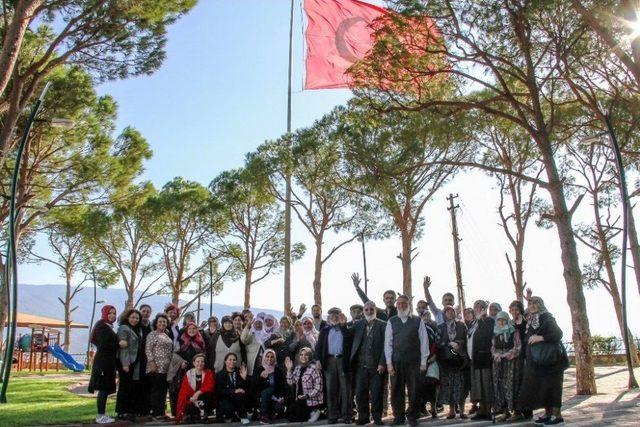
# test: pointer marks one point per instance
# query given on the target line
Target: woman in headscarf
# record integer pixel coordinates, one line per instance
(280, 341)
(429, 385)
(516, 309)
(481, 337)
(253, 337)
(103, 369)
(470, 322)
(226, 340)
(542, 385)
(306, 378)
(452, 360)
(504, 350)
(129, 397)
(271, 388)
(494, 309)
(270, 324)
(189, 344)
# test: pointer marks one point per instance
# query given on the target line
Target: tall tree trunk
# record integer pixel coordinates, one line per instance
(13, 39)
(405, 257)
(67, 314)
(585, 376)
(247, 288)
(317, 273)
(3, 300)
(519, 268)
(634, 247)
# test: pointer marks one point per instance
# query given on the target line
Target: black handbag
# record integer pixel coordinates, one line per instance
(546, 354)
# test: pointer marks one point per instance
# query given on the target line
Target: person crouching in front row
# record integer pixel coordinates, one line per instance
(195, 399)
(233, 391)
(307, 381)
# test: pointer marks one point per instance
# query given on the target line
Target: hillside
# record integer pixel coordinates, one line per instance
(42, 300)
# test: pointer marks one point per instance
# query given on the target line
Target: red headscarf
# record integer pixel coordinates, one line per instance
(105, 313)
(197, 341)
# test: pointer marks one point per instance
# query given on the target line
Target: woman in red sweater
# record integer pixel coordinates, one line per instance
(195, 399)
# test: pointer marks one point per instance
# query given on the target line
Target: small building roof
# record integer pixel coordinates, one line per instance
(30, 320)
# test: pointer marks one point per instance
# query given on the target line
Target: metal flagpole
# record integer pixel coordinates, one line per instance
(287, 206)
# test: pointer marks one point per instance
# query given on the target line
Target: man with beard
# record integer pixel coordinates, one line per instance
(406, 347)
(356, 314)
(332, 353)
(447, 300)
(316, 313)
(479, 341)
(389, 298)
(369, 364)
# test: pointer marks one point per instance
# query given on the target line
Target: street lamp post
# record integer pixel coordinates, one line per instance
(623, 259)
(93, 309)
(11, 268)
(210, 285)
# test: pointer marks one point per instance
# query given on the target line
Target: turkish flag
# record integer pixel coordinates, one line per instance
(339, 33)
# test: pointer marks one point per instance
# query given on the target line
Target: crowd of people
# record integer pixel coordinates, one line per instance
(245, 366)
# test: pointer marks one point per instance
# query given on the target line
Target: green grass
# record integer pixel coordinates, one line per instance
(38, 401)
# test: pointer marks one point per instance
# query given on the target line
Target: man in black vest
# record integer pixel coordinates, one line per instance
(369, 364)
(332, 353)
(406, 347)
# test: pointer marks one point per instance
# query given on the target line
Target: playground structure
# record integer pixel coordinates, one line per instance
(40, 349)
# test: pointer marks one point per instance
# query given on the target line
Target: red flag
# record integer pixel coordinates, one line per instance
(339, 33)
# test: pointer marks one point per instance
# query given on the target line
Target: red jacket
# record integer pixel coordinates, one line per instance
(188, 389)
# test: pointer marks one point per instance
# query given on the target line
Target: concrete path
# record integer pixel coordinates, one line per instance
(614, 405)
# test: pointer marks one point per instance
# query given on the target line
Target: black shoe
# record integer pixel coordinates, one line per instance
(347, 421)
(332, 421)
(555, 421)
(362, 422)
(413, 423)
(378, 422)
(542, 420)
(478, 417)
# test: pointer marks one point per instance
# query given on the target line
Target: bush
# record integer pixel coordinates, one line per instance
(605, 345)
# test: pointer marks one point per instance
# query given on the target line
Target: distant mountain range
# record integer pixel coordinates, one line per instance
(42, 300)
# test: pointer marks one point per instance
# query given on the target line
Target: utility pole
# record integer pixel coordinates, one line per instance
(456, 249)
(287, 202)
(364, 262)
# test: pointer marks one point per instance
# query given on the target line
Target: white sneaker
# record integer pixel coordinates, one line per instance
(104, 419)
(245, 421)
(315, 414)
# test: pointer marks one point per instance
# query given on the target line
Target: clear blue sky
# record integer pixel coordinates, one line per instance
(222, 91)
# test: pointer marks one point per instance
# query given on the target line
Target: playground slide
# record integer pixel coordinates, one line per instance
(65, 358)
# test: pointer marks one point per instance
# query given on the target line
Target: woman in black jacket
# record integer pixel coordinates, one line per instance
(270, 385)
(542, 382)
(453, 358)
(480, 338)
(233, 390)
(103, 370)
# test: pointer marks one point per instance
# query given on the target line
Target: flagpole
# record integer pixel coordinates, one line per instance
(287, 206)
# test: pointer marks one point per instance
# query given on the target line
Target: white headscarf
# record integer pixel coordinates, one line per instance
(312, 335)
(276, 325)
(260, 334)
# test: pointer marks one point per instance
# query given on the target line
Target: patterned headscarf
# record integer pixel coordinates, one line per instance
(534, 319)
(451, 323)
(311, 335)
(505, 330)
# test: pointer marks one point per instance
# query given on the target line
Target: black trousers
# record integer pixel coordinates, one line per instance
(369, 390)
(339, 402)
(157, 393)
(405, 377)
(232, 406)
(129, 394)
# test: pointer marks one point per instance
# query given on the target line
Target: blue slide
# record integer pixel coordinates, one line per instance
(65, 358)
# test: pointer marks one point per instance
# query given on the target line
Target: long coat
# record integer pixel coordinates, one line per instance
(103, 371)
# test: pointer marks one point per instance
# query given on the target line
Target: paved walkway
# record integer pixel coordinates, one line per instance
(613, 405)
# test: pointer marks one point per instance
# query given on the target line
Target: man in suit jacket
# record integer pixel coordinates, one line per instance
(369, 364)
(332, 353)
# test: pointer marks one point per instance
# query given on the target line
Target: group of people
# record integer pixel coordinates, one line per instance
(247, 366)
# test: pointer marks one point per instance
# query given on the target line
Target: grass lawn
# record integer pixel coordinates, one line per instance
(41, 400)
